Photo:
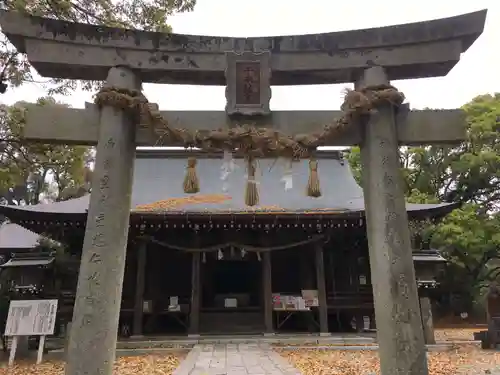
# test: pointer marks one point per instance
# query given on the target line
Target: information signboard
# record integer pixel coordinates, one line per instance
(31, 318)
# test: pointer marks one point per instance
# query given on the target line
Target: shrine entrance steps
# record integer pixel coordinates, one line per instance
(161, 344)
(234, 359)
(231, 322)
(183, 342)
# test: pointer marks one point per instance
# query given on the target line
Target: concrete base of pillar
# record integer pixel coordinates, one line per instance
(136, 337)
(269, 334)
(325, 334)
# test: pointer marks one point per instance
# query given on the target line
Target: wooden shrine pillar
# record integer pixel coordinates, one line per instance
(306, 272)
(140, 284)
(267, 286)
(321, 285)
(194, 309)
(399, 326)
(331, 268)
(307, 276)
(355, 285)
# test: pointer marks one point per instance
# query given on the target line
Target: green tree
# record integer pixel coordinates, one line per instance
(467, 174)
(150, 15)
(32, 165)
(470, 240)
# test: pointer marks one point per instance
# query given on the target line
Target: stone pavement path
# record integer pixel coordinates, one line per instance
(235, 359)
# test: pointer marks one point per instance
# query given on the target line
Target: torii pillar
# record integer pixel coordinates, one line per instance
(92, 343)
(397, 313)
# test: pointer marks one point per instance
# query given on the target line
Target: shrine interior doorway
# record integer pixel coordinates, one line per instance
(231, 294)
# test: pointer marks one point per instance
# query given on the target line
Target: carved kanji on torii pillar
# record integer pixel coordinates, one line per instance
(369, 58)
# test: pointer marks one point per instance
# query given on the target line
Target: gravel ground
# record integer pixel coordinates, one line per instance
(464, 360)
(143, 365)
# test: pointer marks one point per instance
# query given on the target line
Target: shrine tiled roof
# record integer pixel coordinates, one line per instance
(157, 188)
(13, 236)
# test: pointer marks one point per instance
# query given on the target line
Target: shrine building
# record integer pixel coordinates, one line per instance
(206, 263)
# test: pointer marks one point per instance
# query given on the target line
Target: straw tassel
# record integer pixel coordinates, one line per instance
(251, 192)
(313, 189)
(191, 183)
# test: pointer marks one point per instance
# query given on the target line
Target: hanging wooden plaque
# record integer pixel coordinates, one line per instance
(248, 83)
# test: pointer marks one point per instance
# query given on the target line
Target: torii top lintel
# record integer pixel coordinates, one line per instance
(80, 51)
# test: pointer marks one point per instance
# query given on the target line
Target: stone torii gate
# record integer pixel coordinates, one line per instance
(126, 58)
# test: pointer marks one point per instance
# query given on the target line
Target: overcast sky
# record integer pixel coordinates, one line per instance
(477, 72)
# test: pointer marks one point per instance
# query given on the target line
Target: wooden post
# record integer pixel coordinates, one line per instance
(67, 334)
(140, 284)
(306, 271)
(373, 322)
(307, 282)
(427, 322)
(194, 312)
(267, 292)
(13, 349)
(41, 346)
(321, 285)
(354, 267)
(360, 321)
(94, 332)
(331, 270)
(399, 326)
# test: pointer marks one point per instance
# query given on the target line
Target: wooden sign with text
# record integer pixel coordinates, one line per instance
(248, 83)
(30, 318)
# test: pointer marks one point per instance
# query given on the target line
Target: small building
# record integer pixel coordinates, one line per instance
(207, 263)
(15, 238)
(23, 269)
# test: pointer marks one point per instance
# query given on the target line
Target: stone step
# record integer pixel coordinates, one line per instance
(247, 322)
(156, 344)
(186, 342)
(183, 343)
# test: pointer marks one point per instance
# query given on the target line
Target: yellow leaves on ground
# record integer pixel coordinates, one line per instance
(137, 365)
(466, 360)
(456, 334)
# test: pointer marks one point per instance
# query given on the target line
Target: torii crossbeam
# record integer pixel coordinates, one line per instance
(81, 126)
